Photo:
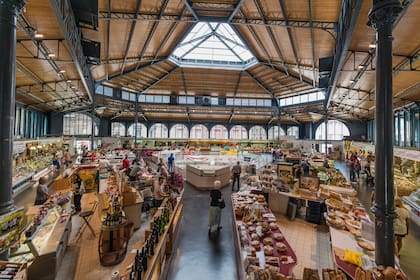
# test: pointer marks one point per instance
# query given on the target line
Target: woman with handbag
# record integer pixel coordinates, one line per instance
(217, 203)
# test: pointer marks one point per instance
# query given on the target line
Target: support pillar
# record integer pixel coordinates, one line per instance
(382, 17)
(9, 11)
(136, 120)
(326, 134)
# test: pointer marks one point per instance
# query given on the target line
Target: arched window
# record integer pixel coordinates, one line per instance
(141, 130)
(199, 131)
(117, 129)
(273, 132)
(78, 124)
(158, 130)
(238, 132)
(178, 131)
(293, 131)
(218, 132)
(336, 131)
(257, 133)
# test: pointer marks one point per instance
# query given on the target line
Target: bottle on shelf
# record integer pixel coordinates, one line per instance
(144, 258)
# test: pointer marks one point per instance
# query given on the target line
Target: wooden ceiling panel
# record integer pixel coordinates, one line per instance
(406, 34)
(363, 34)
(325, 10)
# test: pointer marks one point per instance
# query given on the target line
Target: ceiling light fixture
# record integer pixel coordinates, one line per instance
(62, 71)
(68, 81)
(39, 36)
(372, 46)
(351, 81)
(360, 66)
(51, 55)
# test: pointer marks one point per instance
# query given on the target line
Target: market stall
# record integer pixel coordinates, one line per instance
(45, 239)
(261, 248)
(150, 259)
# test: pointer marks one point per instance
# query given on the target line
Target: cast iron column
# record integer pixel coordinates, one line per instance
(326, 134)
(136, 120)
(381, 17)
(9, 11)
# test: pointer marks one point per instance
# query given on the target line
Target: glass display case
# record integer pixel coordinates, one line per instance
(44, 244)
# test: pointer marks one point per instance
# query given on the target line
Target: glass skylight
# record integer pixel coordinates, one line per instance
(213, 45)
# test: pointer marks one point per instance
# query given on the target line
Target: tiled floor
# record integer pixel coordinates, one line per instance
(310, 242)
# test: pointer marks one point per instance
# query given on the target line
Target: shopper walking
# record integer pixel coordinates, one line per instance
(42, 194)
(236, 174)
(216, 205)
(78, 190)
(357, 168)
(401, 224)
(352, 171)
(171, 160)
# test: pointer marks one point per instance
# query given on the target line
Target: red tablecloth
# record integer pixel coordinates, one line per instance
(285, 269)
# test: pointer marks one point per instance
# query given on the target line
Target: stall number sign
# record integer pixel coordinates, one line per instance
(18, 147)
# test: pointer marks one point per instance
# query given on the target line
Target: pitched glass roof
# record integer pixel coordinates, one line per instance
(213, 45)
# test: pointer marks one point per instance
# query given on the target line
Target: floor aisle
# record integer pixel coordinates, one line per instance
(197, 256)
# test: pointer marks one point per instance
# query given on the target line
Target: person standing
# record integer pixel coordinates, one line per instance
(126, 164)
(236, 174)
(56, 162)
(352, 171)
(42, 194)
(67, 158)
(215, 213)
(171, 160)
(133, 172)
(159, 192)
(401, 223)
(78, 190)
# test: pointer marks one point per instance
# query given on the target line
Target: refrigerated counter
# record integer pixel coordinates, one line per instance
(203, 176)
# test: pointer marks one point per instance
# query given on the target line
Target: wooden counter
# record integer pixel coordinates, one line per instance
(158, 264)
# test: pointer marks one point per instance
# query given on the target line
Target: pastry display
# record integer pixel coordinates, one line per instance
(255, 236)
(281, 247)
(268, 250)
(366, 245)
(252, 251)
(353, 224)
(355, 232)
(251, 229)
(335, 222)
(272, 261)
(255, 244)
(334, 203)
(278, 236)
(268, 241)
(274, 226)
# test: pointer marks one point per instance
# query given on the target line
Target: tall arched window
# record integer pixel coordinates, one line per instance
(158, 130)
(117, 129)
(257, 133)
(336, 131)
(273, 132)
(141, 130)
(218, 132)
(293, 131)
(238, 132)
(199, 131)
(78, 124)
(178, 131)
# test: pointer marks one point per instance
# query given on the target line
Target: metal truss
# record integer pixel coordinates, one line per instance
(67, 22)
(271, 21)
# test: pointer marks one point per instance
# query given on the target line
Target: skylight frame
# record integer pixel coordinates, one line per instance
(229, 52)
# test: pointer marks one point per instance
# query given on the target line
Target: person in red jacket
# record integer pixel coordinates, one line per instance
(126, 164)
